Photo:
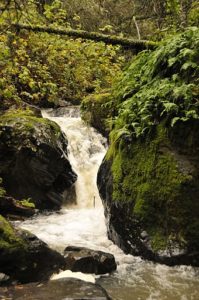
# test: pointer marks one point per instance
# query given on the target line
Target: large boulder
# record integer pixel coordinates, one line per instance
(149, 179)
(80, 259)
(33, 159)
(24, 257)
(150, 191)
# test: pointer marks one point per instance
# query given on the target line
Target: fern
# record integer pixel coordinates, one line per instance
(160, 84)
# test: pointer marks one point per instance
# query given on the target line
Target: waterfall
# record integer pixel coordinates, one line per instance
(84, 224)
(86, 150)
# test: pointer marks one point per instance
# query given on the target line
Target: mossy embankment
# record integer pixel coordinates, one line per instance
(149, 178)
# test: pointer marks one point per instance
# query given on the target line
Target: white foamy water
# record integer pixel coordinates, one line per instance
(86, 150)
(84, 225)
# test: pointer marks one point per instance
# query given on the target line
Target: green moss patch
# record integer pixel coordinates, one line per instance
(8, 236)
(19, 128)
(27, 203)
(146, 175)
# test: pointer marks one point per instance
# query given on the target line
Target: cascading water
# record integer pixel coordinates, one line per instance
(84, 225)
(86, 149)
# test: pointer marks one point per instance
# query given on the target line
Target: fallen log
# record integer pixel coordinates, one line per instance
(127, 43)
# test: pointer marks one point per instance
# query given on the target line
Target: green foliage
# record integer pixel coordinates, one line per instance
(47, 69)
(194, 14)
(39, 68)
(159, 85)
(55, 14)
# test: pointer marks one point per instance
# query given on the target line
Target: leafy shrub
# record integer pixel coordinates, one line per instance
(41, 69)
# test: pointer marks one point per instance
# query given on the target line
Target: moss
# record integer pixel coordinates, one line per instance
(8, 236)
(21, 128)
(146, 175)
(27, 120)
(27, 203)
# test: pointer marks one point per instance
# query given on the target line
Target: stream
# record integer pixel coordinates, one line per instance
(84, 225)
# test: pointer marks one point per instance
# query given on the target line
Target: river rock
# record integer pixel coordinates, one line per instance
(80, 259)
(24, 257)
(33, 159)
(12, 208)
(150, 192)
(68, 288)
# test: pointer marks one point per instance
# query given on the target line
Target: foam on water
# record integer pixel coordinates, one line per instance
(70, 274)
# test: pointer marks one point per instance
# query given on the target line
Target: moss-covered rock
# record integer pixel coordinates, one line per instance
(96, 110)
(150, 190)
(24, 257)
(33, 159)
(149, 178)
(8, 237)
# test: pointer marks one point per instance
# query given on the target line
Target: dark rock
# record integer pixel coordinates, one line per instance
(11, 207)
(24, 257)
(68, 288)
(150, 193)
(4, 279)
(80, 259)
(33, 159)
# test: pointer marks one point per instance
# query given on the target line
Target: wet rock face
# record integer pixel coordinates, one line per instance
(150, 193)
(68, 288)
(33, 160)
(80, 259)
